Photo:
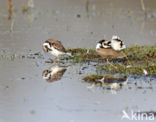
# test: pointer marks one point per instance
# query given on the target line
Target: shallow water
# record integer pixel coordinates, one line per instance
(25, 96)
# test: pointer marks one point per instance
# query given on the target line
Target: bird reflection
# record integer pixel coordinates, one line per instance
(54, 73)
(114, 84)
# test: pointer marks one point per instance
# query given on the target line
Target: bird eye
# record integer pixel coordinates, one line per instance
(46, 47)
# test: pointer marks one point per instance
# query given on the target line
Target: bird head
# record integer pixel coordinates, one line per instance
(99, 44)
(103, 44)
(46, 47)
(106, 44)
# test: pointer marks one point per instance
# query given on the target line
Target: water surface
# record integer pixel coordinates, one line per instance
(25, 96)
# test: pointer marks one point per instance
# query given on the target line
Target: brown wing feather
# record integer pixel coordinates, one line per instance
(108, 53)
(57, 45)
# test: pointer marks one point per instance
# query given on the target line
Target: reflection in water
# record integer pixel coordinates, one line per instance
(28, 11)
(30, 17)
(31, 3)
(113, 84)
(143, 7)
(31, 14)
(10, 9)
(54, 73)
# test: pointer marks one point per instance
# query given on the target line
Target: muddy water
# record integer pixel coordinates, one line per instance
(25, 96)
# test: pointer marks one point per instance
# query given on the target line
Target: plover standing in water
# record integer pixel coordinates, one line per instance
(55, 48)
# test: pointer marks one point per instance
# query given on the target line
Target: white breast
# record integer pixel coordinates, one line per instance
(116, 45)
(98, 45)
(56, 52)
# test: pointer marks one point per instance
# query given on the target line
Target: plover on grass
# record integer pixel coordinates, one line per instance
(107, 52)
(117, 44)
(104, 44)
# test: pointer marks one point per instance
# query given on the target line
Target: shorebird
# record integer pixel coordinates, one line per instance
(107, 52)
(117, 44)
(54, 73)
(55, 48)
(104, 43)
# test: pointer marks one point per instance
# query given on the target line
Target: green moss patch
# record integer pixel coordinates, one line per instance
(140, 60)
(84, 55)
(93, 78)
(134, 53)
(129, 69)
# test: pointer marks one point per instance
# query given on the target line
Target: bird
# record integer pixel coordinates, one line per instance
(55, 48)
(108, 52)
(54, 73)
(104, 43)
(117, 44)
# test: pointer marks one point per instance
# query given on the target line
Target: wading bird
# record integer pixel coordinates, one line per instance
(55, 48)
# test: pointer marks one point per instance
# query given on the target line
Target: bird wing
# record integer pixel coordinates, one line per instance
(57, 45)
(108, 53)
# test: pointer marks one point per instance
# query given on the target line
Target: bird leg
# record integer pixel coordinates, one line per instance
(55, 59)
(49, 61)
(107, 61)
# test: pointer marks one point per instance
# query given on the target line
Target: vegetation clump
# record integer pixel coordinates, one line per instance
(128, 69)
(140, 60)
(93, 78)
(84, 55)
